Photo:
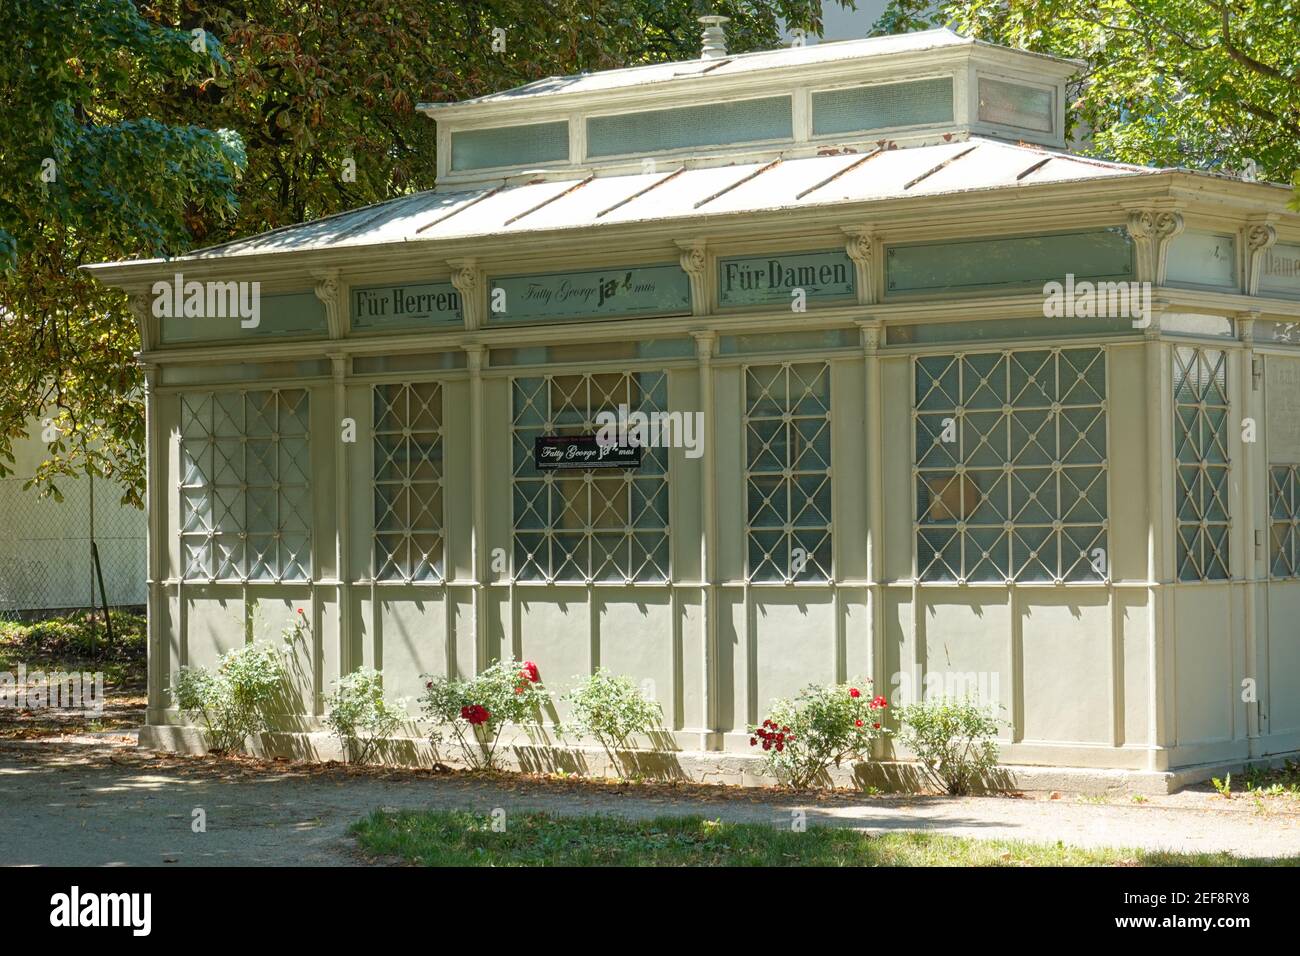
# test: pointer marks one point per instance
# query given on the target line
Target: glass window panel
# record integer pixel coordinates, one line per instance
(588, 525)
(510, 145)
(690, 126)
(246, 455)
(788, 481)
(1009, 493)
(1202, 465)
(407, 482)
(881, 106)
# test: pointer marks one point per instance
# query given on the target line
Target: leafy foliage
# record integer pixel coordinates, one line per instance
(151, 139)
(823, 726)
(612, 709)
(476, 710)
(953, 740)
(358, 714)
(91, 169)
(1169, 82)
(234, 701)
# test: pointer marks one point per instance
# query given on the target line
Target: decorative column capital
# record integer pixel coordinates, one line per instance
(475, 357)
(872, 333)
(706, 341)
(862, 246)
(1246, 325)
(1152, 229)
(149, 371)
(327, 289)
(694, 259)
(467, 279)
(1260, 237)
(141, 305)
(338, 365)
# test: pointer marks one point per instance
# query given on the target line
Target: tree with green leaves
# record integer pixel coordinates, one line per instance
(1206, 84)
(89, 170)
(176, 124)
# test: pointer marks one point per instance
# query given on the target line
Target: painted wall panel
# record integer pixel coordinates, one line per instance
(1135, 685)
(413, 638)
(794, 631)
(966, 638)
(214, 622)
(555, 630)
(1202, 643)
(1283, 657)
(1126, 420)
(1067, 665)
(849, 469)
(896, 380)
(635, 639)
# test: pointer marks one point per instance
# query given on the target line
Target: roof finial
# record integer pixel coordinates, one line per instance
(715, 41)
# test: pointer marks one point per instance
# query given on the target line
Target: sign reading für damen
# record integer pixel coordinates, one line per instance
(769, 280)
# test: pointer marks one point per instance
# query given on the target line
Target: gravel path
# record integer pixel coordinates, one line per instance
(113, 805)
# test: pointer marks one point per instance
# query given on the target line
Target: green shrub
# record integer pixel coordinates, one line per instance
(234, 701)
(611, 709)
(824, 725)
(359, 716)
(953, 740)
(476, 710)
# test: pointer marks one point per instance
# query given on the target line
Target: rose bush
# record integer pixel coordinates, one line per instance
(359, 716)
(611, 709)
(953, 739)
(234, 701)
(476, 710)
(823, 726)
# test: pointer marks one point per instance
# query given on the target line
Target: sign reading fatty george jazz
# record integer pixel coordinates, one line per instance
(648, 290)
(405, 306)
(563, 452)
(771, 280)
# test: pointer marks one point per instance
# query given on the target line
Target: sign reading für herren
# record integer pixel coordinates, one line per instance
(405, 306)
(563, 452)
(770, 280)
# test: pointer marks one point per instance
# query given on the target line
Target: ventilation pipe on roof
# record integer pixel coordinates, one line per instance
(714, 40)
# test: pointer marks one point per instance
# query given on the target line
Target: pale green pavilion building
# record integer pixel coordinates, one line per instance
(921, 461)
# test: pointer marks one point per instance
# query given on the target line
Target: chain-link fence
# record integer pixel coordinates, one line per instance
(45, 558)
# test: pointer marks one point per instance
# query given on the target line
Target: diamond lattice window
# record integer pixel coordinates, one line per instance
(590, 524)
(408, 474)
(1011, 470)
(1201, 462)
(788, 471)
(1284, 521)
(245, 496)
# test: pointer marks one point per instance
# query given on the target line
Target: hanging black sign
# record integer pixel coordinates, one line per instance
(563, 452)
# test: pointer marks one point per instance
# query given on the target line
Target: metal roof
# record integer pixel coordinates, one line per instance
(682, 193)
(820, 53)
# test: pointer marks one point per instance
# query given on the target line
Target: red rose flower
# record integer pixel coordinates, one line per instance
(857, 723)
(876, 726)
(767, 745)
(878, 702)
(753, 741)
(854, 692)
(530, 671)
(475, 713)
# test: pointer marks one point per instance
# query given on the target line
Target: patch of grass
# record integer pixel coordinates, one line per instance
(461, 838)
